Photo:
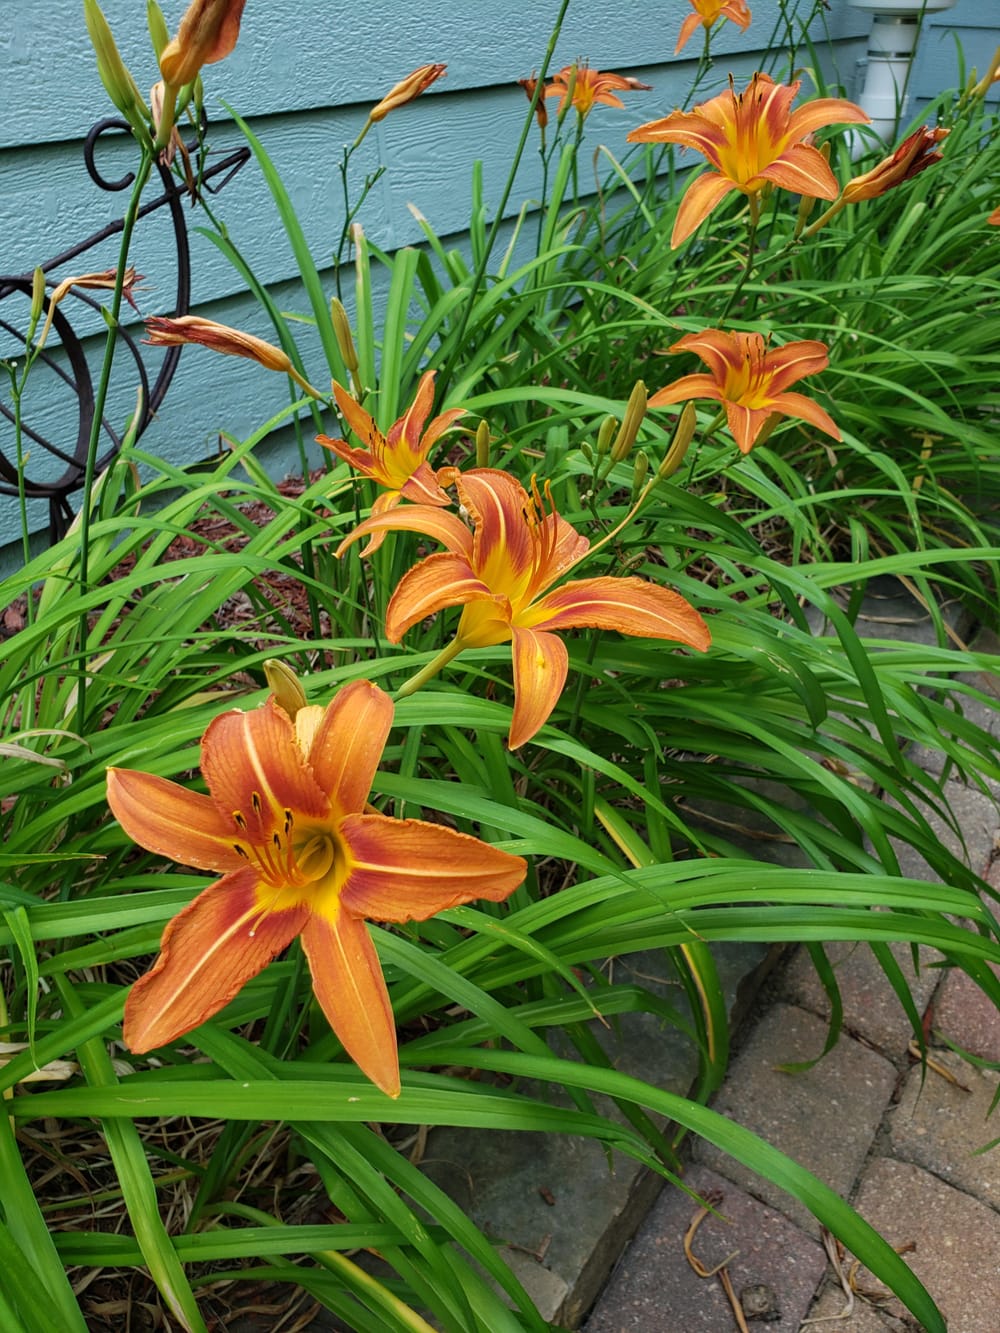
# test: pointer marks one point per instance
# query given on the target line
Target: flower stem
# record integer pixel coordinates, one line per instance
(458, 347)
(436, 664)
(93, 446)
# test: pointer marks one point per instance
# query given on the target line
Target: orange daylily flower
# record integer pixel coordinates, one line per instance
(994, 218)
(285, 824)
(706, 13)
(406, 90)
(750, 381)
(195, 329)
(751, 138)
(398, 460)
(585, 86)
(207, 33)
(501, 572)
(914, 155)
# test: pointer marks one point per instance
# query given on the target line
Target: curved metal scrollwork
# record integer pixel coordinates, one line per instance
(70, 362)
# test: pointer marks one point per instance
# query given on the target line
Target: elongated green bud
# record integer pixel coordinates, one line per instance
(483, 444)
(631, 421)
(284, 684)
(639, 471)
(37, 295)
(607, 428)
(118, 82)
(159, 33)
(687, 423)
(345, 338)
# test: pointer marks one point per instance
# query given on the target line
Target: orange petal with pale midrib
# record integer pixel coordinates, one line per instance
(207, 955)
(256, 753)
(168, 819)
(541, 664)
(629, 605)
(349, 985)
(348, 744)
(438, 581)
(407, 869)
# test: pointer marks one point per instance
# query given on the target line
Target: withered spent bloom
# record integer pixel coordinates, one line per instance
(207, 33)
(914, 155)
(406, 90)
(186, 329)
(541, 114)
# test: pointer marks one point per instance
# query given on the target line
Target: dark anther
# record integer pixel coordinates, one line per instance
(239, 821)
(255, 802)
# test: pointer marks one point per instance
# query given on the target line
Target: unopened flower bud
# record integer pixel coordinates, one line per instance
(118, 82)
(37, 295)
(483, 444)
(683, 435)
(607, 428)
(406, 90)
(345, 338)
(159, 33)
(631, 421)
(639, 472)
(284, 685)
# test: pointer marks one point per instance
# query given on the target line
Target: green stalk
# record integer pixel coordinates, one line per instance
(444, 379)
(128, 225)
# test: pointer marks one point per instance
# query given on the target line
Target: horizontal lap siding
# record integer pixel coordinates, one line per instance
(305, 87)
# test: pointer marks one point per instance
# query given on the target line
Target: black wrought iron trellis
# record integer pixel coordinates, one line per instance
(76, 372)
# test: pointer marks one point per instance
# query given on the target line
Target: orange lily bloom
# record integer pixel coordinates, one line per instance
(398, 460)
(751, 138)
(207, 33)
(285, 824)
(706, 13)
(750, 381)
(994, 218)
(585, 86)
(501, 572)
(914, 155)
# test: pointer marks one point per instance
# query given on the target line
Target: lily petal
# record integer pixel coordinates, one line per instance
(348, 744)
(407, 869)
(804, 170)
(798, 405)
(207, 954)
(443, 527)
(688, 386)
(168, 819)
(438, 581)
(253, 766)
(541, 664)
(700, 197)
(349, 985)
(794, 361)
(629, 605)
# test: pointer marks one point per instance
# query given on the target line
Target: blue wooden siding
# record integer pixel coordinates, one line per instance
(304, 83)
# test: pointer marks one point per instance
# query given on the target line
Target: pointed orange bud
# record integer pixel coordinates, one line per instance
(207, 33)
(406, 90)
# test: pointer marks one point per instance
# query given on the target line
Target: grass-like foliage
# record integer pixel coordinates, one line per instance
(260, 1139)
